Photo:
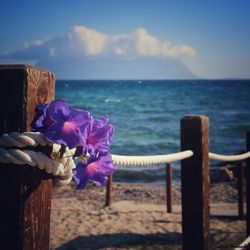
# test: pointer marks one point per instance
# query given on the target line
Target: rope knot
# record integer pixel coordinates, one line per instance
(17, 148)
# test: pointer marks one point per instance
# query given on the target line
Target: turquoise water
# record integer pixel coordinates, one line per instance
(146, 114)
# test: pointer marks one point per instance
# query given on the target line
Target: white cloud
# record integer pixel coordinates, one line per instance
(148, 45)
(83, 42)
(139, 43)
(89, 41)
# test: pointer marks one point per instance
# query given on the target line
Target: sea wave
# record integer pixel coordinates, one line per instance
(108, 100)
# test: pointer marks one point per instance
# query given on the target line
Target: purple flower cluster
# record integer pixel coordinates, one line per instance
(77, 128)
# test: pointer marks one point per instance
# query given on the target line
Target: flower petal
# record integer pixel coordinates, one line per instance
(70, 136)
(101, 135)
(96, 171)
(80, 176)
(58, 110)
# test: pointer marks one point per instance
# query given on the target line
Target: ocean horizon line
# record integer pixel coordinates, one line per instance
(160, 80)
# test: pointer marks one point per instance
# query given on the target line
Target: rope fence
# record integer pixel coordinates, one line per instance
(21, 140)
(230, 158)
(12, 150)
(168, 158)
(63, 168)
(26, 206)
(150, 160)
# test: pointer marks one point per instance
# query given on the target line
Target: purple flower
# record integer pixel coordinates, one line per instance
(100, 136)
(96, 171)
(76, 128)
(63, 124)
(45, 113)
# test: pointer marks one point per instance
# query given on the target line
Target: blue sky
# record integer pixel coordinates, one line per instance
(129, 39)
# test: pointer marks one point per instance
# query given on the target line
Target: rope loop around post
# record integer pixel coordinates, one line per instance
(12, 150)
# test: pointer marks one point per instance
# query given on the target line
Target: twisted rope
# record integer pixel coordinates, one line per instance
(149, 160)
(157, 159)
(25, 139)
(141, 168)
(62, 168)
(218, 157)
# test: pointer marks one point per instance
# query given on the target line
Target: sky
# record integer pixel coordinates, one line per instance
(129, 39)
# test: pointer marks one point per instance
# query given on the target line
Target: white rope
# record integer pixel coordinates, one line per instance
(60, 167)
(152, 159)
(141, 168)
(218, 157)
(25, 139)
(157, 159)
(63, 167)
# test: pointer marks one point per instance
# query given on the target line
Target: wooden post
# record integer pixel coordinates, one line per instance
(109, 190)
(195, 183)
(240, 176)
(169, 187)
(25, 191)
(248, 183)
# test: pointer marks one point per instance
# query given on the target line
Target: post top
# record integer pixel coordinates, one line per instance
(195, 118)
(21, 67)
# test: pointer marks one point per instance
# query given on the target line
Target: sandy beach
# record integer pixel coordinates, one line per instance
(137, 218)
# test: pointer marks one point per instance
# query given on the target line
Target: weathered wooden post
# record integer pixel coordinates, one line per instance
(240, 184)
(169, 187)
(109, 191)
(25, 191)
(248, 183)
(195, 183)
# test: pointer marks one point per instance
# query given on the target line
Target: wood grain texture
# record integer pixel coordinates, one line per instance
(240, 187)
(169, 187)
(109, 191)
(195, 183)
(25, 191)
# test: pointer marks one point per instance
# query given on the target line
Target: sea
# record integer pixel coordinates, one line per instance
(146, 116)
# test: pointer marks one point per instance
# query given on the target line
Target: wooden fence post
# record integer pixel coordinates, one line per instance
(109, 191)
(240, 179)
(25, 191)
(195, 183)
(248, 184)
(169, 187)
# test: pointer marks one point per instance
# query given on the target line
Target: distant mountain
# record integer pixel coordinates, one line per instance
(114, 68)
(85, 53)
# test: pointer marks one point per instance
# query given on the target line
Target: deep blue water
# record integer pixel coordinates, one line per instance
(146, 114)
